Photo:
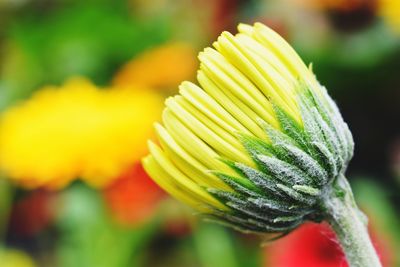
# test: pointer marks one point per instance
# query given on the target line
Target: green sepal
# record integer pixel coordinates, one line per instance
(291, 127)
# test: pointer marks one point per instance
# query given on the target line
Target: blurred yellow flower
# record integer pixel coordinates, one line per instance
(15, 258)
(390, 11)
(73, 131)
(162, 67)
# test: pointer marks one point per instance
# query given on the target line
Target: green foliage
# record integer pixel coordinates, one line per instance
(214, 246)
(91, 39)
(6, 199)
(384, 220)
(89, 238)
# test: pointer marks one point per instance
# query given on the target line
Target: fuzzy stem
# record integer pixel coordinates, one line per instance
(350, 225)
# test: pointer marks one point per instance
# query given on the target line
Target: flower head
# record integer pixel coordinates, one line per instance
(258, 142)
(75, 131)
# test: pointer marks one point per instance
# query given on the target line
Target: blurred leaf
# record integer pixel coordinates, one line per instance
(375, 201)
(87, 38)
(361, 49)
(89, 237)
(6, 198)
(248, 250)
(214, 246)
(352, 63)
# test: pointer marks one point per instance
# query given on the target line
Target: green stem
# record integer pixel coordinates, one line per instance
(350, 225)
(6, 197)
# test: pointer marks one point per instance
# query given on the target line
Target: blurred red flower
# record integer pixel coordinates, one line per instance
(32, 213)
(224, 14)
(178, 227)
(315, 245)
(133, 197)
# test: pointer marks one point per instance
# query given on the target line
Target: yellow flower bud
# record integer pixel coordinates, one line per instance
(257, 142)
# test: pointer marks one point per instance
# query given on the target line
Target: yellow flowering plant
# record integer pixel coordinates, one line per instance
(259, 145)
(76, 131)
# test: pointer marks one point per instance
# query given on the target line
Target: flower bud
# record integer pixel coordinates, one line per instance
(258, 143)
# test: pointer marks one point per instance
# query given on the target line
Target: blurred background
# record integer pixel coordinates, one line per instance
(81, 83)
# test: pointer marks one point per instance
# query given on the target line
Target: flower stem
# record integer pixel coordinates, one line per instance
(350, 225)
(6, 197)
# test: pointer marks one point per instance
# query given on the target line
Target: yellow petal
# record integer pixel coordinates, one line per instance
(238, 110)
(194, 169)
(209, 135)
(208, 106)
(165, 181)
(185, 138)
(180, 179)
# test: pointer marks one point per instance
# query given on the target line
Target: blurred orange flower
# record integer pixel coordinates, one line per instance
(133, 197)
(161, 67)
(76, 130)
